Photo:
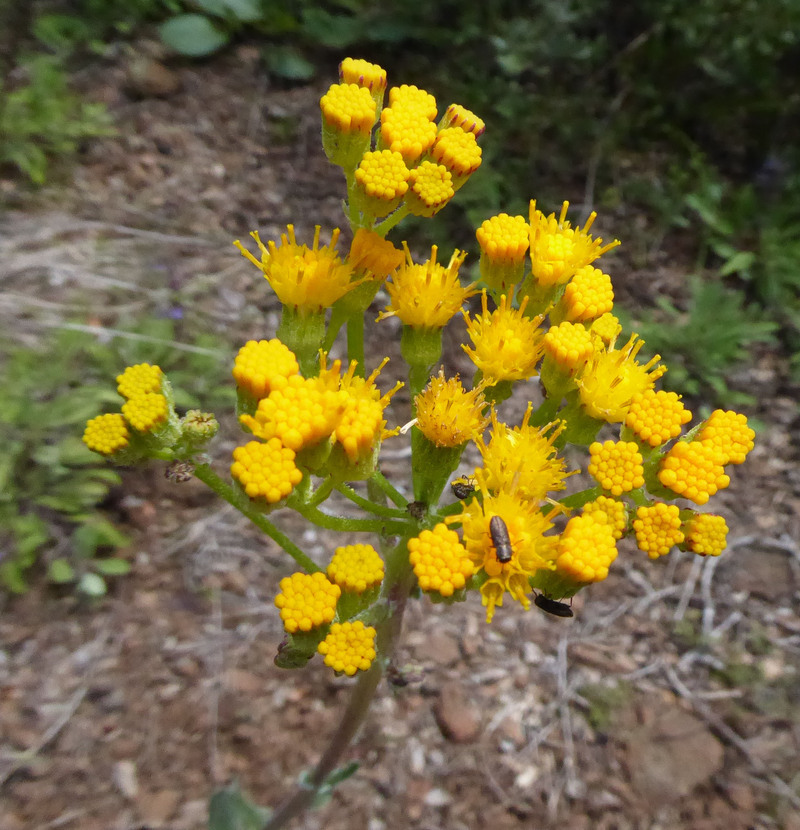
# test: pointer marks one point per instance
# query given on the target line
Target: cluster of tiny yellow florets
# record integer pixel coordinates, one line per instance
(349, 647)
(586, 548)
(264, 365)
(107, 434)
(140, 379)
(440, 561)
(729, 435)
(266, 470)
(658, 528)
(569, 345)
(588, 295)
(617, 466)
(146, 411)
(613, 509)
(504, 242)
(656, 416)
(706, 534)
(692, 469)
(383, 177)
(447, 414)
(307, 601)
(356, 568)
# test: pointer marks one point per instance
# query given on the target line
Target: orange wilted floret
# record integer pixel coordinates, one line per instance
(265, 470)
(447, 414)
(139, 379)
(300, 413)
(569, 345)
(374, 255)
(430, 189)
(458, 116)
(558, 250)
(588, 295)
(612, 377)
(349, 647)
(504, 242)
(307, 601)
(427, 295)
(656, 416)
(613, 509)
(586, 548)
(355, 568)
(147, 411)
(440, 561)
(728, 433)
(263, 365)
(607, 327)
(658, 528)
(706, 534)
(617, 466)
(406, 131)
(106, 434)
(692, 470)
(506, 344)
(348, 108)
(363, 73)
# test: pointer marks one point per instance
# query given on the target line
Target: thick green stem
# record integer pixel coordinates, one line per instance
(355, 341)
(348, 525)
(243, 504)
(393, 493)
(371, 506)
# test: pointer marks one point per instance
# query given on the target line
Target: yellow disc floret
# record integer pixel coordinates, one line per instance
(349, 647)
(729, 435)
(613, 509)
(441, 563)
(504, 242)
(363, 73)
(706, 534)
(569, 345)
(692, 470)
(588, 295)
(447, 414)
(408, 96)
(607, 327)
(617, 466)
(586, 548)
(656, 416)
(406, 131)
(430, 189)
(356, 568)
(139, 379)
(307, 601)
(265, 470)
(264, 365)
(374, 256)
(348, 108)
(106, 434)
(658, 528)
(382, 177)
(146, 412)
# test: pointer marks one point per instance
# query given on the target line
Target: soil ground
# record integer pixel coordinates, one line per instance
(669, 701)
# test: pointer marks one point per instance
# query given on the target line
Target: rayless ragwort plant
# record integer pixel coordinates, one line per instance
(317, 426)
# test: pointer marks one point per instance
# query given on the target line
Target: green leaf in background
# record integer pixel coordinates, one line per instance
(288, 63)
(230, 809)
(60, 571)
(246, 11)
(112, 567)
(92, 585)
(193, 35)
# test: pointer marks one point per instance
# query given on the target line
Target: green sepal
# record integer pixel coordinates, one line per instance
(295, 650)
(431, 467)
(303, 332)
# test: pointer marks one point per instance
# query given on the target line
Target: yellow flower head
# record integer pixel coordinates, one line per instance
(692, 469)
(612, 377)
(265, 471)
(655, 417)
(363, 73)
(588, 295)
(658, 528)
(307, 601)
(558, 250)
(308, 279)
(349, 647)
(522, 460)
(531, 550)
(411, 97)
(586, 549)
(729, 435)
(459, 152)
(448, 415)
(146, 412)
(607, 327)
(617, 466)
(348, 108)
(569, 346)
(440, 561)
(426, 296)
(406, 131)
(458, 116)
(706, 534)
(614, 510)
(300, 413)
(382, 177)
(139, 379)
(356, 568)
(264, 365)
(374, 256)
(430, 189)
(506, 345)
(106, 434)
(504, 242)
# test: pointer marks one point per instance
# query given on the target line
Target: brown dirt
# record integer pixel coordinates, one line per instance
(127, 715)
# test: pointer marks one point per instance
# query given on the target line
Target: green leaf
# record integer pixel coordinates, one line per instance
(192, 35)
(230, 809)
(289, 63)
(336, 31)
(60, 571)
(92, 585)
(740, 261)
(112, 567)
(246, 11)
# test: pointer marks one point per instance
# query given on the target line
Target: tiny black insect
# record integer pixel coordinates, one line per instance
(463, 487)
(500, 539)
(552, 606)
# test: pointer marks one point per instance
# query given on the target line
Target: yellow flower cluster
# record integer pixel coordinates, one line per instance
(589, 294)
(614, 511)
(447, 414)
(349, 647)
(147, 411)
(656, 416)
(140, 379)
(504, 242)
(356, 568)
(617, 466)
(106, 434)
(729, 435)
(307, 601)
(263, 365)
(658, 528)
(440, 561)
(570, 345)
(266, 470)
(586, 548)
(693, 470)
(706, 534)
